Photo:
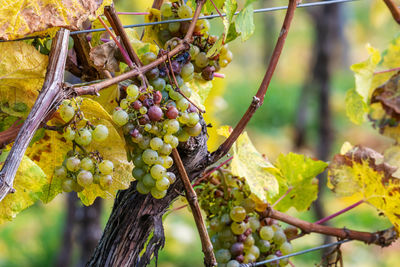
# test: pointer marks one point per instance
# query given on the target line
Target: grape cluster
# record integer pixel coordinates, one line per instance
(238, 226)
(80, 170)
(154, 120)
(170, 34)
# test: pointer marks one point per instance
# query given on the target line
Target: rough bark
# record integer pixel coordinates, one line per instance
(134, 216)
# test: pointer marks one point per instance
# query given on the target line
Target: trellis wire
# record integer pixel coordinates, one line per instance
(295, 254)
(261, 10)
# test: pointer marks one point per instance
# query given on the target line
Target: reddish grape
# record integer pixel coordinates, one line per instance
(155, 113)
(137, 104)
(172, 112)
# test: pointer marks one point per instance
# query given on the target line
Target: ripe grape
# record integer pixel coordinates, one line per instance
(150, 156)
(237, 249)
(67, 112)
(105, 181)
(166, 9)
(156, 143)
(69, 134)
(266, 233)
(158, 194)
(155, 113)
(279, 237)
(157, 171)
(73, 164)
(60, 172)
(171, 177)
(166, 149)
(84, 178)
(106, 167)
(264, 246)
(138, 173)
(120, 117)
(238, 228)
(201, 60)
(87, 164)
(83, 137)
(162, 184)
(141, 188)
(286, 248)
(132, 91)
(148, 58)
(148, 180)
(100, 133)
(184, 11)
(172, 112)
(171, 126)
(233, 263)
(67, 185)
(238, 214)
(222, 256)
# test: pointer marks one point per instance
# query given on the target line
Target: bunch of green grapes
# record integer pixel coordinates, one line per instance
(79, 172)
(170, 34)
(155, 120)
(238, 227)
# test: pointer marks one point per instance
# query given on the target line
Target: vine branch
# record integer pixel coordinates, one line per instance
(382, 238)
(393, 9)
(209, 257)
(258, 99)
(48, 96)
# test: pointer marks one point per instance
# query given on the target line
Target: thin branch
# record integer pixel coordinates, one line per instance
(121, 48)
(207, 174)
(179, 89)
(216, 8)
(382, 238)
(7, 136)
(183, 45)
(48, 97)
(384, 71)
(133, 13)
(112, 16)
(339, 212)
(258, 99)
(157, 4)
(282, 197)
(393, 9)
(118, 28)
(209, 258)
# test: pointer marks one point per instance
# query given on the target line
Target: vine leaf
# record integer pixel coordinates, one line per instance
(298, 172)
(259, 172)
(208, 7)
(356, 108)
(200, 90)
(22, 72)
(363, 170)
(20, 18)
(364, 72)
(28, 183)
(150, 32)
(245, 22)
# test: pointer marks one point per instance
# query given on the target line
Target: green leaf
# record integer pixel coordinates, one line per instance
(244, 22)
(356, 108)
(364, 72)
(297, 173)
(247, 162)
(28, 184)
(209, 7)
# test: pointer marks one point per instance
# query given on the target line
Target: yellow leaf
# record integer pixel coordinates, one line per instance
(364, 72)
(200, 90)
(259, 172)
(298, 172)
(151, 32)
(20, 18)
(363, 170)
(224, 130)
(22, 72)
(356, 108)
(28, 185)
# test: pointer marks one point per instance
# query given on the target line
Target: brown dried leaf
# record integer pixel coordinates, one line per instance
(104, 56)
(389, 96)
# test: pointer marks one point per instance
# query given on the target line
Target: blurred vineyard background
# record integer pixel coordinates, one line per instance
(291, 118)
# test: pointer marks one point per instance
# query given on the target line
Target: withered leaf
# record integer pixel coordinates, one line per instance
(104, 56)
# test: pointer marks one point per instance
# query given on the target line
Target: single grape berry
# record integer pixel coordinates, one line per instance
(84, 178)
(60, 172)
(87, 164)
(105, 181)
(73, 164)
(83, 137)
(172, 112)
(106, 167)
(120, 117)
(155, 113)
(184, 11)
(69, 134)
(100, 133)
(67, 112)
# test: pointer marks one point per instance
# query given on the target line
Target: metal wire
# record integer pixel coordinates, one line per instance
(261, 10)
(295, 254)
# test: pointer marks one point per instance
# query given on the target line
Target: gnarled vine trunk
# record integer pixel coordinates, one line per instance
(135, 216)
